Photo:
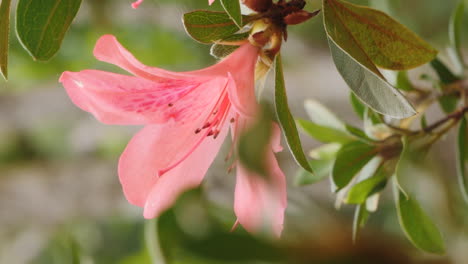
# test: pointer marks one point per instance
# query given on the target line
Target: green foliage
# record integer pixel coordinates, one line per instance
(418, 227)
(41, 25)
(209, 26)
(371, 88)
(324, 134)
(462, 157)
(392, 46)
(455, 31)
(359, 193)
(351, 158)
(356, 55)
(448, 102)
(361, 215)
(233, 8)
(4, 36)
(321, 169)
(403, 82)
(285, 118)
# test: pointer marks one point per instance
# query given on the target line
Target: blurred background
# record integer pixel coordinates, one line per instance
(60, 198)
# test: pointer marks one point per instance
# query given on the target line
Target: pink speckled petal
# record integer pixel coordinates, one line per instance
(120, 99)
(260, 205)
(185, 176)
(153, 149)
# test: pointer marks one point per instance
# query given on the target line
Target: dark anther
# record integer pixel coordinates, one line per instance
(206, 125)
(170, 104)
(197, 131)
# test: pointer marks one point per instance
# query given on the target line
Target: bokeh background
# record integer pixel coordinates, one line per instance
(59, 191)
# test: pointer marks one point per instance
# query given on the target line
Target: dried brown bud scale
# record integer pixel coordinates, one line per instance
(258, 5)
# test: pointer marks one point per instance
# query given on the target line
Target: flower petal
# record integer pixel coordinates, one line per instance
(258, 203)
(240, 64)
(121, 99)
(210, 2)
(109, 50)
(185, 176)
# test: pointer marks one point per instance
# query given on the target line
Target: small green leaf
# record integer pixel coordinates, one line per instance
(403, 82)
(325, 152)
(322, 116)
(220, 51)
(42, 25)
(462, 157)
(209, 26)
(321, 168)
(253, 143)
(4, 36)
(361, 215)
(445, 75)
(359, 193)
(369, 86)
(351, 158)
(372, 37)
(423, 121)
(455, 30)
(285, 118)
(324, 134)
(448, 102)
(232, 7)
(358, 106)
(417, 226)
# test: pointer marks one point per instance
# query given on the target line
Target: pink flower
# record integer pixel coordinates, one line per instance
(138, 2)
(186, 115)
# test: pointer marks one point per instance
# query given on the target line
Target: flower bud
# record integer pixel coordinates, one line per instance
(258, 5)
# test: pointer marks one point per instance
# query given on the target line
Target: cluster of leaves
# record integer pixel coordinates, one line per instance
(40, 27)
(360, 163)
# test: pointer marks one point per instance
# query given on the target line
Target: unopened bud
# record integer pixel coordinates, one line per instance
(258, 5)
(299, 17)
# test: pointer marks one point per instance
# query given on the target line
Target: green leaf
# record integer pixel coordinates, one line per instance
(369, 86)
(445, 75)
(232, 7)
(321, 168)
(351, 158)
(448, 102)
(358, 106)
(374, 38)
(324, 134)
(403, 82)
(253, 143)
(41, 25)
(322, 116)
(209, 26)
(462, 157)
(325, 152)
(455, 30)
(285, 118)
(361, 215)
(417, 226)
(359, 193)
(4, 36)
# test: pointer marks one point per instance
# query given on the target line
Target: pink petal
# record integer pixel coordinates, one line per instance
(276, 138)
(240, 64)
(259, 204)
(108, 49)
(121, 99)
(136, 4)
(155, 148)
(185, 176)
(210, 2)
